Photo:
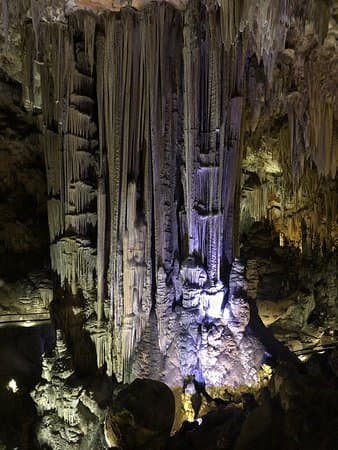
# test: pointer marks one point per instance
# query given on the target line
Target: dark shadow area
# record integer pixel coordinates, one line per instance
(24, 236)
(20, 360)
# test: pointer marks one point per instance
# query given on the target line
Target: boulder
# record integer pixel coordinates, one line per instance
(141, 416)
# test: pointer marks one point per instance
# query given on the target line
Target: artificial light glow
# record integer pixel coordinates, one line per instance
(281, 239)
(199, 421)
(12, 386)
(215, 305)
(28, 323)
(189, 413)
(265, 373)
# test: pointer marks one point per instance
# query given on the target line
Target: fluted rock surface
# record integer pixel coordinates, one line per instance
(167, 132)
(142, 158)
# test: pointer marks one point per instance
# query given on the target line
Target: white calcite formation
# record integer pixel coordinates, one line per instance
(70, 415)
(141, 184)
(143, 120)
(205, 336)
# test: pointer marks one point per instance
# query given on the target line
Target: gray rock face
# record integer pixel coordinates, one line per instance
(26, 301)
(26, 290)
(294, 295)
(24, 236)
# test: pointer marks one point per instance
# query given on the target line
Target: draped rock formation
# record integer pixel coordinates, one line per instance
(141, 122)
(190, 150)
(146, 112)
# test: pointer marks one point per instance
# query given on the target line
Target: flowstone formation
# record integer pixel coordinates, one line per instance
(170, 129)
(141, 121)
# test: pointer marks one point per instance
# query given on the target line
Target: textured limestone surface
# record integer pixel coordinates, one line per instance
(27, 300)
(171, 131)
(72, 415)
(161, 150)
(200, 343)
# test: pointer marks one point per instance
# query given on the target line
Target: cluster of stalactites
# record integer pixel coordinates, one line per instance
(299, 203)
(123, 145)
(154, 144)
(75, 262)
(300, 197)
(142, 163)
(69, 140)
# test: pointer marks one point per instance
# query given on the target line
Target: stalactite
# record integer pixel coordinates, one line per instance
(28, 76)
(5, 18)
(80, 222)
(74, 143)
(55, 218)
(75, 262)
(232, 163)
(78, 165)
(53, 158)
(89, 34)
(82, 83)
(321, 127)
(36, 16)
(109, 100)
(80, 197)
(101, 240)
(231, 11)
(192, 61)
(79, 124)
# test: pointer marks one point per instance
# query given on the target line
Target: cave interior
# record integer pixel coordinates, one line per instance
(168, 224)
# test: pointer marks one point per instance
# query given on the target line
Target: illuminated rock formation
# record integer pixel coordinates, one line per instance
(143, 121)
(170, 129)
(138, 179)
(69, 411)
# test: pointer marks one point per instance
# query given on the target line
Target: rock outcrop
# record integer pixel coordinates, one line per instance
(71, 415)
(141, 415)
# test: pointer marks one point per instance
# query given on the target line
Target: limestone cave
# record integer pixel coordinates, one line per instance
(168, 224)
